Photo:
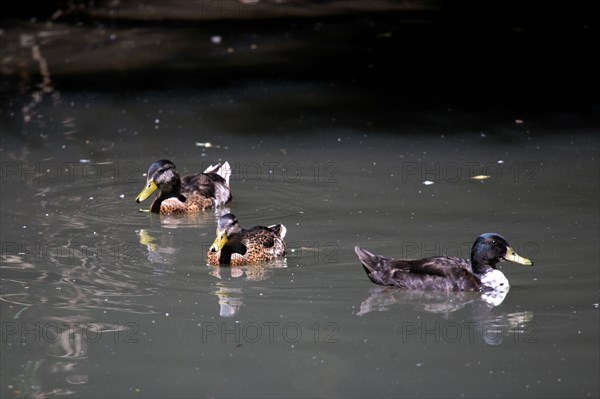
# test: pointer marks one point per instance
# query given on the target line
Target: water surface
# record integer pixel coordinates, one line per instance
(100, 299)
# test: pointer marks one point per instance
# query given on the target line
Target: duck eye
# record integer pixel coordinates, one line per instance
(494, 242)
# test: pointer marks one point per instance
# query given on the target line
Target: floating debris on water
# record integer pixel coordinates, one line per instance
(481, 177)
(428, 182)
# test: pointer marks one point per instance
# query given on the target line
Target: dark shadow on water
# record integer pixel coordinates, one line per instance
(462, 61)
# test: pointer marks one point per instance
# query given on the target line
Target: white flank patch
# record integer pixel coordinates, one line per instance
(498, 283)
(495, 280)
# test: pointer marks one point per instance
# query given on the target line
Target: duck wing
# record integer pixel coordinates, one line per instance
(259, 237)
(264, 242)
(442, 266)
(442, 273)
(208, 185)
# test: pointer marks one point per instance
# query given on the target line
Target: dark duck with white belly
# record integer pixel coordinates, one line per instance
(446, 273)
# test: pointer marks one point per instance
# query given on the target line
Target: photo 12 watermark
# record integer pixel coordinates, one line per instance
(467, 332)
(70, 252)
(52, 332)
(51, 172)
(314, 252)
(454, 172)
(289, 172)
(269, 332)
(426, 249)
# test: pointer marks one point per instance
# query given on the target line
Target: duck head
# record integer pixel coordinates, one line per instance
(227, 227)
(161, 175)
(490, 249)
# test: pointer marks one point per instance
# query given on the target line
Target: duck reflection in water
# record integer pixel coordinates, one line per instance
(228, 288)
(251, 273)
(481, 310)
(230, 297)
(382, 298)
(163, 250)
(163, 253)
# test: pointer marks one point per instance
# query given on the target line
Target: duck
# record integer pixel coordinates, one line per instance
(190, 194)
(236, 246)
(446, 273)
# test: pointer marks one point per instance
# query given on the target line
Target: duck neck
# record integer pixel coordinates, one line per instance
(170, 190)
(173, 189)
(155, 207)
(234, 246)
(480, 266)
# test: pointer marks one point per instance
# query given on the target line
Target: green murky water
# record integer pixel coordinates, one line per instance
(99, 299)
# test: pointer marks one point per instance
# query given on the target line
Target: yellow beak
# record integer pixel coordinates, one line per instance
(219, 241)
(512, 256)
(145, 193)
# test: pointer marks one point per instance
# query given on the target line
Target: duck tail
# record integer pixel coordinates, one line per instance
(379, 269)
(368, 259)
(212, 168)
(279, 229)
(225, 172)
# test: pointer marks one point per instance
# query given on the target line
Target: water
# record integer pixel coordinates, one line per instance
(100, 299)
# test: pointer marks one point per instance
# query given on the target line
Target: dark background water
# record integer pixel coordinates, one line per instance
(353, 123)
